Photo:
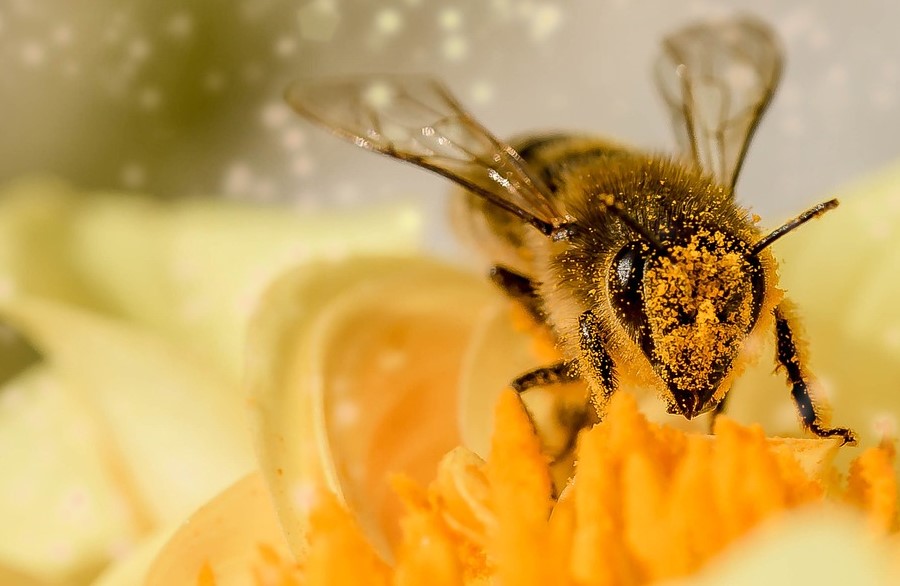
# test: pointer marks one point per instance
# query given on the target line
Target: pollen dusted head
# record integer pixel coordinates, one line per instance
(699, 305)
(689, 306)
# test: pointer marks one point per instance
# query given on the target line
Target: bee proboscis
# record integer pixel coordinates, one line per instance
(641, 266)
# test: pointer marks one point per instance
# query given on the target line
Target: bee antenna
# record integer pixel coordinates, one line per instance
(612, 205)
(803, 218)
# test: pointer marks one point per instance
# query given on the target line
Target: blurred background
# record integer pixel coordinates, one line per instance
(185, 98)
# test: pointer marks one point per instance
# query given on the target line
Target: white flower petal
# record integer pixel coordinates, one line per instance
(822, 546)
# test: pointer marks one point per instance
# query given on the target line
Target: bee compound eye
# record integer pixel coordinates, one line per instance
(627, 269)
(625, 282)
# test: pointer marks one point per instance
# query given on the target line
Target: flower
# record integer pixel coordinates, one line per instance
(356, 369)
(123, 319)
(356, 386)
(648, 503)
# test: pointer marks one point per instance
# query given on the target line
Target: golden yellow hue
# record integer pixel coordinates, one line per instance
(450, 531)
(873, 487)
(339, 553)
(520, 498)
(699, 302)
(221, 539)
(356, 378)
(647, 503)
(130, 413)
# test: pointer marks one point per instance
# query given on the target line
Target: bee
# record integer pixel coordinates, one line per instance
(641, 266)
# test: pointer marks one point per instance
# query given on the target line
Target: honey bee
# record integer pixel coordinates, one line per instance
(641, 266)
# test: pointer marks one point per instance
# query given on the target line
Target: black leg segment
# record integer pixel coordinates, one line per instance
(520, 288)
(596, 362)
(559, 373)
(789, 358)
(594, 366)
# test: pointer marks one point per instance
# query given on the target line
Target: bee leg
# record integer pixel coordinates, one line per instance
(555, 374)
(520, 288)
(569, 419)
(602, 372)
(574, 420)
(602, 375)
(789, 358)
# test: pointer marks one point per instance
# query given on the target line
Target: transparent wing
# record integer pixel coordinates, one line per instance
(417, 120)
(717, 79)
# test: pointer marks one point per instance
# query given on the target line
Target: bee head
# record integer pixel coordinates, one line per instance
(689, 306)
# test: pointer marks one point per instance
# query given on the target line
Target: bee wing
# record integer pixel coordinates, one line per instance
(415, 119)
(718, 79)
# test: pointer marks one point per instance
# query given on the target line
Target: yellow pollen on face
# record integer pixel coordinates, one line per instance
(698, 302)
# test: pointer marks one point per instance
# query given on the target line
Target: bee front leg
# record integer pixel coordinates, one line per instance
(595, 368)
(600, 372)
(555, 374)
(572, 420)
(789, 358)
(520, 288)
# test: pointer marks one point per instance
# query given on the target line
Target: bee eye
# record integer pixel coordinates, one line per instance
(625, 284)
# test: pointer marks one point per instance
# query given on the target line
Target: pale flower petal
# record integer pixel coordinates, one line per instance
(820, 545)
(190, 270)
(131, 569)
(330, 357)
(140, 308)
(116, 433)
(177, 431)
(224, 538)
(62, 503)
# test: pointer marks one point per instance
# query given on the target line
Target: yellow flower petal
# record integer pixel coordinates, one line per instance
(873, 488)
(196, 270)
(162, 410)
(520, 491)
(499, 352)
(191, 270)
(648, 503)
(427, 552)
(63, 506)
(173, 432)
(114, 435)
(353, 370)
(222, 539)
(338, 551)
(11, 576)
(818, 545)
(34, 248)
(132, 567)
